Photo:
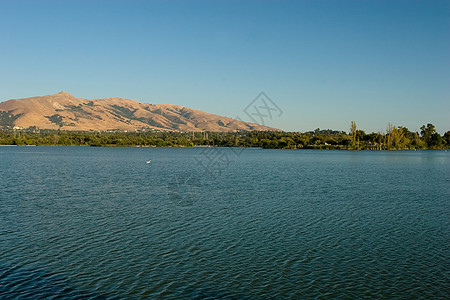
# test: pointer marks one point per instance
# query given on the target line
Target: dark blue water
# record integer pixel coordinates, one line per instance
(195, 223)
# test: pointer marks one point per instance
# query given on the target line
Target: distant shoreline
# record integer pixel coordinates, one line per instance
(299, 149)
(396, 138)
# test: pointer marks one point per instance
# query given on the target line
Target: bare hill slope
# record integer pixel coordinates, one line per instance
(66, 112)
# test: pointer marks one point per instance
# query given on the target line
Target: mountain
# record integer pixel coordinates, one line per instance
(66, 112)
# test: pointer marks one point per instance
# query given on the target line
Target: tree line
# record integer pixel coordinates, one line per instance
(395, 138)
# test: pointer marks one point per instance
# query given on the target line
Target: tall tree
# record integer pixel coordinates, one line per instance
(447, 138)
(430, 136)
(389, 134)
(353, 132)
(398, 138)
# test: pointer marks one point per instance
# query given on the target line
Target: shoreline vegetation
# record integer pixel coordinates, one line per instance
(395, 138)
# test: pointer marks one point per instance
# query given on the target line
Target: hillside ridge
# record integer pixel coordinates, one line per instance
(66, 112)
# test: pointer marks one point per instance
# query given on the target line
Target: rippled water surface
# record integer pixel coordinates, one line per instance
(219, 223)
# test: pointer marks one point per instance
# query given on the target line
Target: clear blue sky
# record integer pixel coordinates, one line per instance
(324, 63)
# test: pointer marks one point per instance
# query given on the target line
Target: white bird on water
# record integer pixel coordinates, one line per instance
(148, 161)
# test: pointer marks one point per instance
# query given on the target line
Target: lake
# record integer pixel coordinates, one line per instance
(228, 223)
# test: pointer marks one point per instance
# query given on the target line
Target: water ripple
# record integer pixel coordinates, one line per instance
(98, 224)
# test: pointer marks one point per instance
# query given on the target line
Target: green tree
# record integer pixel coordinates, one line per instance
(447, 139)
(353, 132)
(396, 138)
(430, 136)
(389, 135)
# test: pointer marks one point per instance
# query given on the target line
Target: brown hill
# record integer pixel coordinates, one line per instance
(66, 112)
